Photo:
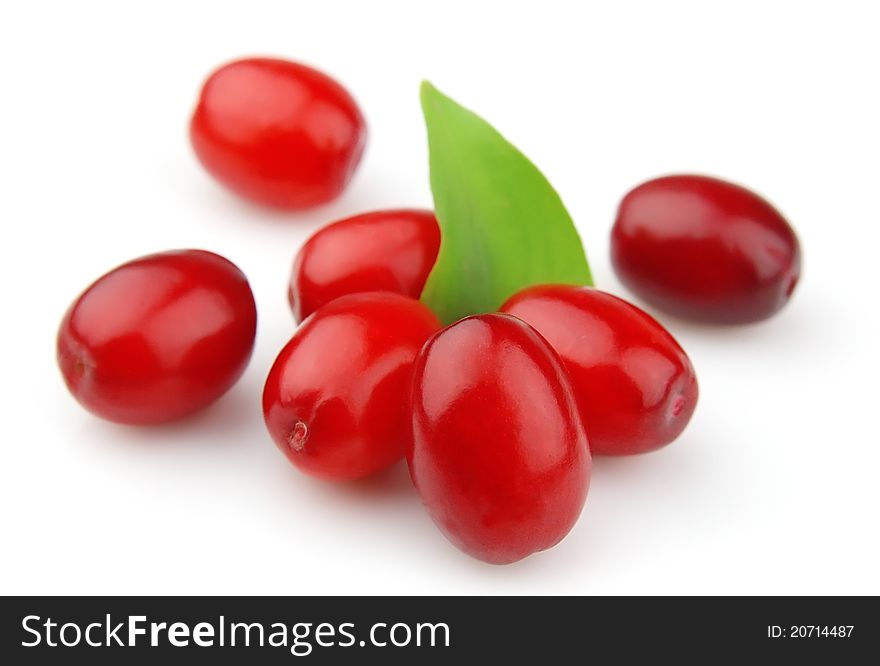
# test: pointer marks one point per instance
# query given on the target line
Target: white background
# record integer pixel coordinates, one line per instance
(772, 489)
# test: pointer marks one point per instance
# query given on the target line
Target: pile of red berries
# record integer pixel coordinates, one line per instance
(496, 414)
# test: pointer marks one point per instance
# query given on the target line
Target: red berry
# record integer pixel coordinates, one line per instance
(498, 455)
(389, 250)
(705, 249)
(159, 337)
(336, 398)
(635, 386)
(277, 132)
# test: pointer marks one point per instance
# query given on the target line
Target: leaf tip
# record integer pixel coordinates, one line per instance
(427, 92)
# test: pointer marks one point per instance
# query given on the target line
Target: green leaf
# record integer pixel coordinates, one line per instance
(503, 225)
